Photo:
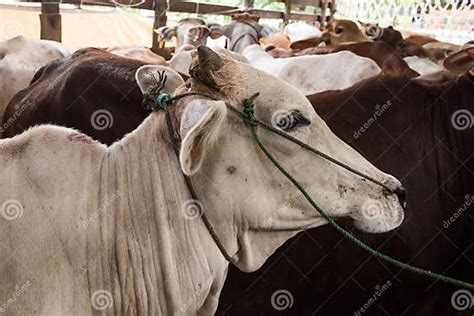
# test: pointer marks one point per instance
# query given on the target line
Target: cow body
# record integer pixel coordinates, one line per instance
(116, 235)
(412, 136)
(386, 58)
(73, 92)
(19, 60)
(82, 243)
(315, 73)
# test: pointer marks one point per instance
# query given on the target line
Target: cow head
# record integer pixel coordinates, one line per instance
(251, 205)
(371, 30)
(242, 31)
(341, 31)
(189, 33)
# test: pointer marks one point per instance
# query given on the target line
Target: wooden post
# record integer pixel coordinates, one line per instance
(286, 15)
(50, 20)
(248, 4)
(160, 20)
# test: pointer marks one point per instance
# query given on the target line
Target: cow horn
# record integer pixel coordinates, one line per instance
(205, 65)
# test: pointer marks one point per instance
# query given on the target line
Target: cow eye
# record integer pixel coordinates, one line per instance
(290, 120)
(339, 30)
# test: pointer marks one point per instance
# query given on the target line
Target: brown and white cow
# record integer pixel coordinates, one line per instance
(20, 58)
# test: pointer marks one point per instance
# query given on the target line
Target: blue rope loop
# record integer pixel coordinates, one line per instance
(163, 101)
(249, 110)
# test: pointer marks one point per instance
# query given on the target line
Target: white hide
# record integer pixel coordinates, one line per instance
(300, 30)
(423, 66)
(20, 58)
(314, 73)
(88, 229)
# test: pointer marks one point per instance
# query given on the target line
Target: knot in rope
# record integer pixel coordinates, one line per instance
(249, 110)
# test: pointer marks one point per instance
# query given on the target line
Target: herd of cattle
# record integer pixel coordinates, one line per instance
(92, 201)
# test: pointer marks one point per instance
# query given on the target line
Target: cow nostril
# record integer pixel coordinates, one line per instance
(402, 196)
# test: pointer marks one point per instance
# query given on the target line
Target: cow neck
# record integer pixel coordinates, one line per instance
(161, 260)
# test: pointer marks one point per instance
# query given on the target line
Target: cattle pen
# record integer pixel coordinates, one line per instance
(323, 11)
(237, 157)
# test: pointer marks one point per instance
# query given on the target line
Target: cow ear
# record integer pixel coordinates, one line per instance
(165, 33)
(148, 76)
(216, 30)
(204, 65)
(199, 33)
(201, 123)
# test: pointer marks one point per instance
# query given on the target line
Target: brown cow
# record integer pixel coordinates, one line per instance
(342, 31)
(418, 133)
(93, 91)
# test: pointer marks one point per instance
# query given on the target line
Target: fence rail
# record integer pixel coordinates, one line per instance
(51, 16)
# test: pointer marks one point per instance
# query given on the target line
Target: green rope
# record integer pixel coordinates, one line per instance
(252, 123)
(165, 102)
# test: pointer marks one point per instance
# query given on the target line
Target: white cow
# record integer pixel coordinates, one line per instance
(315, 73)
(20, 58)
(141, 53)
(423, 66)
(89, 229)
